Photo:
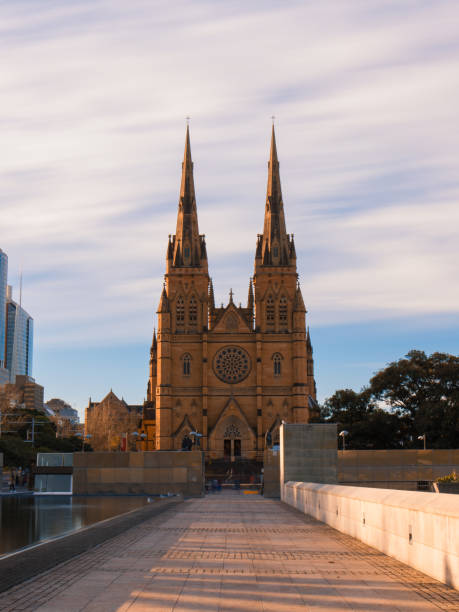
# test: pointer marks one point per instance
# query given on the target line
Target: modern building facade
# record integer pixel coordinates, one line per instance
(232, 373)
(4, 376)
(19, 339)
(30, 393)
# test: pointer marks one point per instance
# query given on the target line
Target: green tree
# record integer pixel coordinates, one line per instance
(16, 440)
(424, 391)
(368, 426)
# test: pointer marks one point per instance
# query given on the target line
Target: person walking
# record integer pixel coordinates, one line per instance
(12, 481)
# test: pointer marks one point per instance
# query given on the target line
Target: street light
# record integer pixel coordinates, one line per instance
(196, 436)
(343, 435)
(138, 437)
(423, 437)
(80, 435)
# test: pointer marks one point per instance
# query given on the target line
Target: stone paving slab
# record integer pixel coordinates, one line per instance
(236, 553)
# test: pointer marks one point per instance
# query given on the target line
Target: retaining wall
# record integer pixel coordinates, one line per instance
(407, 469)
(417, 528)
(308, 452)
(143, 473)
(271, 474)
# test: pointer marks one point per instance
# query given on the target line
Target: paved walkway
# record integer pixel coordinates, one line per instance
(231, 552)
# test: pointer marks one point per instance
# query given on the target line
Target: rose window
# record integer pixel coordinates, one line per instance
(232, 364)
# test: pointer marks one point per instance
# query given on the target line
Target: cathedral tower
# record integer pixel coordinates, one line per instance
(183, 308)
(280, 314)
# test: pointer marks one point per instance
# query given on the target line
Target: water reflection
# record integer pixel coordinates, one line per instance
(26, 520)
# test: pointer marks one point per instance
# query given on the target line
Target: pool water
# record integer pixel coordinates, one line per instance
(28, 519)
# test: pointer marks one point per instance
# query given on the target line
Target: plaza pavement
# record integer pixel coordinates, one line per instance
(232, 552)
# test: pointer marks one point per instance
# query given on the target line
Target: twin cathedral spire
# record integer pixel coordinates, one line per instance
(187, 248)
(187, 266)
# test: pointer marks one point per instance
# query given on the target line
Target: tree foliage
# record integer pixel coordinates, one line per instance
(425, 391)
(368, 426)
(17, 424)
(413, 396)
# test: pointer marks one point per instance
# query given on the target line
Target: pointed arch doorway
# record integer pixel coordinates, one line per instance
(232, 440)
(232, 437)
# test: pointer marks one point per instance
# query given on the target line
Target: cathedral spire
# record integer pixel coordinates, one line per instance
(163, 302)
(154, 344)
(299, 302)
(187, 248)
(274, 187)
(211, 295)
(274, 247)
(187, 195)
(308, 341)
(250, 300)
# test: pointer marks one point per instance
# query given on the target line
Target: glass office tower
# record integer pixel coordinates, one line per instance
(19, 339)
(3, 281)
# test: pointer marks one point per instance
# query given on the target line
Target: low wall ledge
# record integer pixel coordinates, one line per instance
(442, 504)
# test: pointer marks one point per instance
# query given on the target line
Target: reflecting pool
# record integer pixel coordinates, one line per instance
(28, 519)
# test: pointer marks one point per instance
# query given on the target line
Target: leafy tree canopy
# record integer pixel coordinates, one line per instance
(416, 395)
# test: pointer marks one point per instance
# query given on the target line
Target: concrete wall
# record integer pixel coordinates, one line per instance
(149, 473)
(271, 474)
(419, 529)
(395, 469)
(308, 452)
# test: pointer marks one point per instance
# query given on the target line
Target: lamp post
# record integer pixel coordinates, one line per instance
(423, 437)
(83, 437)
(343, 434)
(138, 437)
(196, 435)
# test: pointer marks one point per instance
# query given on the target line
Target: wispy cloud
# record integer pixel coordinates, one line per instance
(94, 96)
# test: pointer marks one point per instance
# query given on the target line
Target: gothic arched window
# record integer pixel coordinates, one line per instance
(277, 361)
(283, 313)
(180, 312)
(193, 312)
(186, 364)
(270, 310)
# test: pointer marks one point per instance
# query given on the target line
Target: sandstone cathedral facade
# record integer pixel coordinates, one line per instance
(231, 373)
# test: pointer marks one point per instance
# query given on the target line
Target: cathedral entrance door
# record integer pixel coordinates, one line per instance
(237, 448)
(231, 449)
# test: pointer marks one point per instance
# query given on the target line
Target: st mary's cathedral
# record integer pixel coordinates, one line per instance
(233, 373)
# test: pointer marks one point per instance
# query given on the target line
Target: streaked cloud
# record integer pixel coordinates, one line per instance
(94, 96)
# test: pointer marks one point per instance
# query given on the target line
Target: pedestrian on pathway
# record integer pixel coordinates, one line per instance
(12, 481)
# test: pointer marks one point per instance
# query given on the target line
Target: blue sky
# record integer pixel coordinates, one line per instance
(94, 99)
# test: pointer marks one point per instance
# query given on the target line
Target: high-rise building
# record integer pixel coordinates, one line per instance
(19, 339)
(4, 376)
(232, 373)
